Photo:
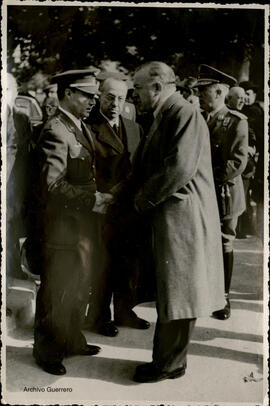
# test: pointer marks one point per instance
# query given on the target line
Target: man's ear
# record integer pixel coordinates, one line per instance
(157, 87)
(68, 92)
(218, 93)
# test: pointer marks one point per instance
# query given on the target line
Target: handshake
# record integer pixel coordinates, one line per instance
(102, 202)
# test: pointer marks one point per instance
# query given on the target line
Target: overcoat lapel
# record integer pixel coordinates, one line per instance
(170, 101)
(133, 136)
(151, 132)
(105, 134)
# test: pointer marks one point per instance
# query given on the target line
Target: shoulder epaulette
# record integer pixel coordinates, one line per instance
(238, 114)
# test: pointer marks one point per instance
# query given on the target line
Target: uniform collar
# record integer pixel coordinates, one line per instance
(214, 112)
(74, 119)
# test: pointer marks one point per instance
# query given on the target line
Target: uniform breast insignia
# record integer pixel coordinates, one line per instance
(220, 117)
(226, 121)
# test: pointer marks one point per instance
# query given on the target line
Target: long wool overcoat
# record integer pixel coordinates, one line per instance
(174, 177)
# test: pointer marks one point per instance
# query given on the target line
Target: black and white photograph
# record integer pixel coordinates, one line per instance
(134, 203)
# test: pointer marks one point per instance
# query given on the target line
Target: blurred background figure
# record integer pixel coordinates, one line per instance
(236, 98)
(236, 101)
(255, 114)
(185, 87)
(19, 133)
(49, 107)
(51, 90)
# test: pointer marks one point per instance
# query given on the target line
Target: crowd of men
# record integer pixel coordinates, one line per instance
(133, 205)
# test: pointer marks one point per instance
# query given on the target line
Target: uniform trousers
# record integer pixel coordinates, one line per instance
(228, 232)
(64, 291)
(171, 342)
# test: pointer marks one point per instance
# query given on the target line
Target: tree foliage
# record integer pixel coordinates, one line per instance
(54, 38)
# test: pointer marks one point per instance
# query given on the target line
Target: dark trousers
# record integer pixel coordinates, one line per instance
(171, 341)
(69, 260)
(126, 272)
(59, 308)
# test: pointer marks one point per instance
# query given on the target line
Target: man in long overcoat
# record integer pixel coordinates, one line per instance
(229, 147)
(71, 210)
(174, 184)
(116, 139)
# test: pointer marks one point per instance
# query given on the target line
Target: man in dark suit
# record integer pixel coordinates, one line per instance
(174, 190)
(116, 139)
(229, 146)
(71, 210)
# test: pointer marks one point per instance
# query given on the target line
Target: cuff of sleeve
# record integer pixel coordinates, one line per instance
(142, 204)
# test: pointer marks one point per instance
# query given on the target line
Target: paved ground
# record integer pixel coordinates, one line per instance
(225, 362)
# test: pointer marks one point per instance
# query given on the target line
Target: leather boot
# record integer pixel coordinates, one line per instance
(225, 313)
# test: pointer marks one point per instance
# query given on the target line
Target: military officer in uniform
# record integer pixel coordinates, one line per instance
(229, 146)
(71, 207)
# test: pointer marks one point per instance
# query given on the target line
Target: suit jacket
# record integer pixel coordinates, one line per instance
(229, 146)
(174, 181)
(113, 155)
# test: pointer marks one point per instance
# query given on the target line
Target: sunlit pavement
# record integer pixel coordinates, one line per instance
(225, 362)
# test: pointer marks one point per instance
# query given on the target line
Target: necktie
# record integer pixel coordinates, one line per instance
(115, 129)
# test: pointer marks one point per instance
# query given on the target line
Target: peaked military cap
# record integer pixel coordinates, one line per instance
(247, 85)
(209, 75)
(51, 87)
(81, 79)
(186, 84)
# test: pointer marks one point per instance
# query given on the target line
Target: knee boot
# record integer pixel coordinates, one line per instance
(225, 313)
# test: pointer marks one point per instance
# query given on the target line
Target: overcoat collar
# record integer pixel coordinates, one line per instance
(84, 137)
(166, 106)
(105, 133)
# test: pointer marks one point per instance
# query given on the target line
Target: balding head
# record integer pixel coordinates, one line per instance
(112, 98)
(158, 71)
(236, 98)
(153, 82)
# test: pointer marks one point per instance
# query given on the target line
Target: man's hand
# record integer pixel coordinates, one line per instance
(102, 202)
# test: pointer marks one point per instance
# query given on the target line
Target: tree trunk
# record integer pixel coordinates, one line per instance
(243, 74)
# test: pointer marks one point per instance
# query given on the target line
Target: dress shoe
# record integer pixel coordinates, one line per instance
(89, 350)
(149, 373)
(108, 329)
(225, 313)
(55, 368)
(133, 321)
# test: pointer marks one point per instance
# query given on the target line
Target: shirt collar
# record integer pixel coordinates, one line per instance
(74, 119)
(111, 122)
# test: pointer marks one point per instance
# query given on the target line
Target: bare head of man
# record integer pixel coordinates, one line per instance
(236, 98)
(153, 82)
(112, 98)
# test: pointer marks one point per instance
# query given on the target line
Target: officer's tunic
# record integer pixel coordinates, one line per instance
(229, 147)
(69, 227)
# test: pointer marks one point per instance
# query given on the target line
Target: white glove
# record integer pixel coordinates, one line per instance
(102, 202)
